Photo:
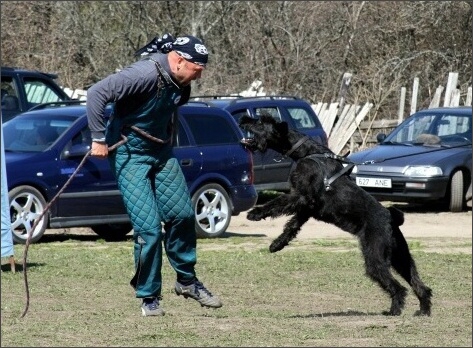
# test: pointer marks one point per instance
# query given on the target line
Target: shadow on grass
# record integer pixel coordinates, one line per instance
(228, 234)
(337, 314)
(51, 238)
(19, 265)
(432, 207)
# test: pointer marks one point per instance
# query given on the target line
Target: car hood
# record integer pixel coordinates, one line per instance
(401, 156)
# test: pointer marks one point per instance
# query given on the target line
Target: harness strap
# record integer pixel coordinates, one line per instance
(297, 144)
(345, 171)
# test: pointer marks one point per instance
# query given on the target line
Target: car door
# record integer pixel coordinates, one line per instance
(93, 191)
(187, 154)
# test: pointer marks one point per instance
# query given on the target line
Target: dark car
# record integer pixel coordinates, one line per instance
(23, 89)
(44, 147)
(271, 169)
(427, 158)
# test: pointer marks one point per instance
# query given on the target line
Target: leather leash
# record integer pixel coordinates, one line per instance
(29, 233)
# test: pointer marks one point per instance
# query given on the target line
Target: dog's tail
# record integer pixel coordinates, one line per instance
(403, 263)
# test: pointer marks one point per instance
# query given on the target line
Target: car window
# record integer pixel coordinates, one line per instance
(33, 134)
(301, 118)
(182, 137)
(211, 130)
(82, 138)
(454, 124)
(274, 112)
(38, 91)
(240, 113)
(438, 125)
(9, 95)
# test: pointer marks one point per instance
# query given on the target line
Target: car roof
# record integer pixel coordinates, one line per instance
(6, 70)
(81, 110)
(236, 100)
(445, 109)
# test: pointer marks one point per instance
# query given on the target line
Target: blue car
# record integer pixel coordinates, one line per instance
(44, 147)
(427, 158)
(271, 169)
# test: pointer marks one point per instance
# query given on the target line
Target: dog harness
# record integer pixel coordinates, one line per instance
(327, 181)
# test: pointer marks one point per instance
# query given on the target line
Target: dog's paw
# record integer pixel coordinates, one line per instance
(276, 246)
(255, 214)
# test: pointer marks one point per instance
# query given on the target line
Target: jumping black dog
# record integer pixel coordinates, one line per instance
(321, 188)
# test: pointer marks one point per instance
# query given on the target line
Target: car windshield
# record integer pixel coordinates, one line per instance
(33, 133)
(447, 129)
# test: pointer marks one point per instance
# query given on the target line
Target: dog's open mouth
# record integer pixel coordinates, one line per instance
(249, 143)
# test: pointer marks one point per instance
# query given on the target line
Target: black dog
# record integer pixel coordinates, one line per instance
(322, 189)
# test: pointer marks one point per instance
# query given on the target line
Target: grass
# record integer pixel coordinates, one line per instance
(313, 293)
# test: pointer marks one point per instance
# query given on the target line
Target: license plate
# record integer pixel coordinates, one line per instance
(374, 182)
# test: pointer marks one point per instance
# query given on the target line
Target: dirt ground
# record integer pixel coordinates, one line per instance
(438, 231)
(451, 225)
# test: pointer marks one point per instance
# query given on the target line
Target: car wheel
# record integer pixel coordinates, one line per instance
(456, 192)
(212, 208)
(112, 232)
(26, 205)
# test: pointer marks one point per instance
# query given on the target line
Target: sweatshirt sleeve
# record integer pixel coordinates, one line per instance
(137, 79)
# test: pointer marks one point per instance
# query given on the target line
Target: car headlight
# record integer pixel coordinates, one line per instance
(423, 171)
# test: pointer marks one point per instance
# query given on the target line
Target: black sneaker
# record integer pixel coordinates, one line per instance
(198, 292)
(150, 306)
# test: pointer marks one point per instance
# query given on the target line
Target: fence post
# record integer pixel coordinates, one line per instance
(415, 90)
(468, 97)
(402, 100)
(451, 85)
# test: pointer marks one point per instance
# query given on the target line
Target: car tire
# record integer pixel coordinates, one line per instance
(212, 209)
(112, 232)
(457, 198)
(26, 205)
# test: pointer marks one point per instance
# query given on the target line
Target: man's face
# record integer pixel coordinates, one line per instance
(189, 72)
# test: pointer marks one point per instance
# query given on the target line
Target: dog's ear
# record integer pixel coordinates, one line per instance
(245, 119)
(267, 118)
(282, 128)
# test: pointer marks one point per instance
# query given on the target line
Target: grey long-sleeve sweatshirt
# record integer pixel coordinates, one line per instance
(127, 88)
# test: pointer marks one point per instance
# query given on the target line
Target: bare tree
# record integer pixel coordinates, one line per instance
(293, 47)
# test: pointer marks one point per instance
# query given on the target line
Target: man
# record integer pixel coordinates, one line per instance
(145, 96)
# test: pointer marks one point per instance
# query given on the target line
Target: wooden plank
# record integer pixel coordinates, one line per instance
(415, 91)
(317, 107)
(359, 116)
(402, 101)
(435, 102)
(330, 119)
(341, 123)
(468, 97)
(455, 100)
(345, 127)
(451, 85)
(346, 79)
(322, 112)
(348, 127)
(378, 124)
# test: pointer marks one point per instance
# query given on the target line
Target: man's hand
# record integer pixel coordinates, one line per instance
(99, 150)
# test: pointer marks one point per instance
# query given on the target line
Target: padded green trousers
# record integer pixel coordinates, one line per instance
(155, 194)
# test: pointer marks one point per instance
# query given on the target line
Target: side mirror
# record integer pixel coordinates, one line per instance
(380, 137)
(78, 150)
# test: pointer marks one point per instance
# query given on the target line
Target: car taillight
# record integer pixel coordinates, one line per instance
(248, 178)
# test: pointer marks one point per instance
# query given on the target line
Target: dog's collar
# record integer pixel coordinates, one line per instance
(296, 145)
